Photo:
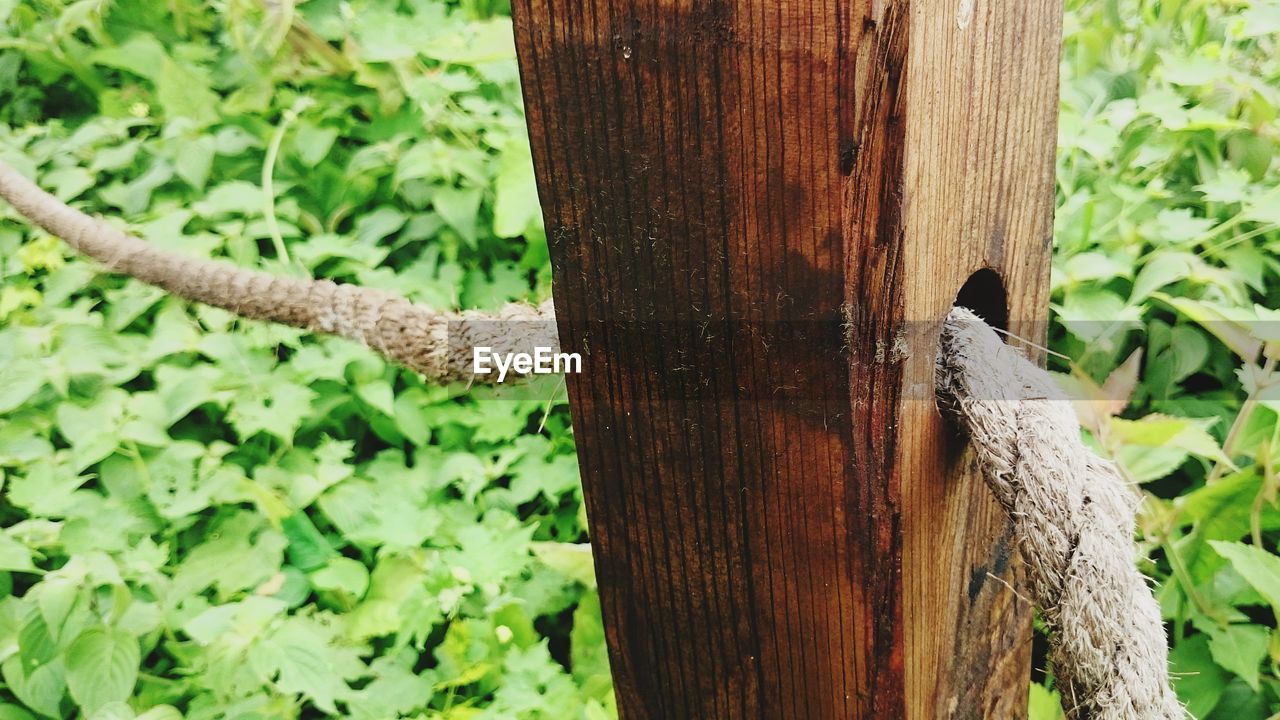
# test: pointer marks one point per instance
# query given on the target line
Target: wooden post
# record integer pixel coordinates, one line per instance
(758, 212)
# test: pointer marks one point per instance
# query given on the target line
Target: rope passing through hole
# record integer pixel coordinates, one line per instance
(1073, 518)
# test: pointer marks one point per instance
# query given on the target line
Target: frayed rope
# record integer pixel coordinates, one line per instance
(1073, 518)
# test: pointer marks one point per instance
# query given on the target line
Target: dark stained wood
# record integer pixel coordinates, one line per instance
(758, 212)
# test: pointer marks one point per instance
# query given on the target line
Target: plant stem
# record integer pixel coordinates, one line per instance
(1241, 238)
(1266, 493)
(1242, 419)
(1184, 577)
(268, 176)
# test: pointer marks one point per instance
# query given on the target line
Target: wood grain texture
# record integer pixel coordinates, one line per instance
(759, 211)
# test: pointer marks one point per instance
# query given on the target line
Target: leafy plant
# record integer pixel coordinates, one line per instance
(205, 518)
(1165, 276)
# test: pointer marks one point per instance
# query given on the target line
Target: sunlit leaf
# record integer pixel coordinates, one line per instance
(102, 667)
(1240, 649)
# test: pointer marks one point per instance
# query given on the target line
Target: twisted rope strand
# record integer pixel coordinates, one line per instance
(436, 344)
(1073, 521)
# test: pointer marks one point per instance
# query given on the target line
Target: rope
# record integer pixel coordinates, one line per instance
(436, 344)
(1073, 519)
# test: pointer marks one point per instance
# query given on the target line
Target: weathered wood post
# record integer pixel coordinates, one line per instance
(758, 212)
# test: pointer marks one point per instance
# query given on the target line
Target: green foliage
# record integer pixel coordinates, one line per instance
(1165, 274)
(205, 518)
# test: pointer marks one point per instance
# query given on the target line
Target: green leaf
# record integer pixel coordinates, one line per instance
(479, 43)
(231, 198)
(1223, 510)
(1190, 351)
(80, 15)
(307, 549)
(19, 380)
(93, 431)
(394, 692)
(241, 553)
(1095, 315)
(113, 711)
(303, 660)
(492, 552)
(1145, 464)
(1096, 266)
(1258, 567)
(573, 560)
(1165, 268)
(385, 513)
(385, 36)
(13, 712)
(1176, 226)
(1228, 185)
(159, 712)
(56, 597)
(379, 395)
(374, 226)
(516, 204)
(536, 474)
(1259, 20)
(14, 556)
(1196, 70)
(40, 688)
(194, 160)
(36, 645)
(1163, 431)
(1241, 702)
(1230, 325)
(278, 410)
(183, 93)
(344, 575)
(410, 418)
(1044, 703)
(102, 667)
(246, 619)
(459, 208)
(1253, 154)
(1198, 681)
(587, 642)
(312, 143)
(68, 183)
(1240, 649)
(506, 282)
(141, 55)
(393, 582)
(45, 489)
(185, 478)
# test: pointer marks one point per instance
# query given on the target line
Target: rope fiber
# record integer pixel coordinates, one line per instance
(436, 344)
(1073, 517)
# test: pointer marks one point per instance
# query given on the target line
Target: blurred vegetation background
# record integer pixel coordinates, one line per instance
(204, 518)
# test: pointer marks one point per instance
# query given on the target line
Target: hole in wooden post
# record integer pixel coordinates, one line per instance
(984, 294)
